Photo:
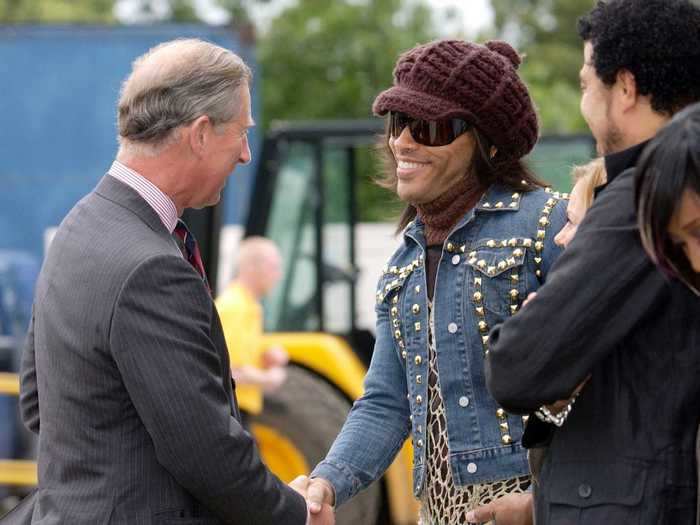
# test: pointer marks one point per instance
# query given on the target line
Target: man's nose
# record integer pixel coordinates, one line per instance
(245, 152)
(405, 140)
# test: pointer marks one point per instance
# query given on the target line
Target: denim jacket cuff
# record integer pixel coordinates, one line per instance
(344, 484)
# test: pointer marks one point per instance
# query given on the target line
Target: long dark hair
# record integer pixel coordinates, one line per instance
(511, 173)
(669, 166)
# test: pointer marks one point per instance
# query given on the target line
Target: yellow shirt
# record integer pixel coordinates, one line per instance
(242, 319)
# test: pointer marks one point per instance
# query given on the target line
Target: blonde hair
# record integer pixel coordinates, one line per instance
(590, 175)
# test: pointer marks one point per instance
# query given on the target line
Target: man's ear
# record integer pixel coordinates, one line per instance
(626, 86)
(198, 134)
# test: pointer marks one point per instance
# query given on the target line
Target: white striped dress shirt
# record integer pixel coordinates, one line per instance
(156, 199)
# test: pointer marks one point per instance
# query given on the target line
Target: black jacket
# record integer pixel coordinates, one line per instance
(626, 454)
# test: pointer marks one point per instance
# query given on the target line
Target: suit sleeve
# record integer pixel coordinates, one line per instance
(29, 394)
(600, 288)
(160, 340)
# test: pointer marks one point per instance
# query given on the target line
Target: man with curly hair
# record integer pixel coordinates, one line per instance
(641, 65)
(626, 451)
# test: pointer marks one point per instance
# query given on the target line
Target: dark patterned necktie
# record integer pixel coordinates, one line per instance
(190, 249)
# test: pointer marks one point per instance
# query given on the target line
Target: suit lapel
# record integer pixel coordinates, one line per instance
(118, 192)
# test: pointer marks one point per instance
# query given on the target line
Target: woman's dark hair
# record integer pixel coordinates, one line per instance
(669, 166)
(511, 173)
(658, 41)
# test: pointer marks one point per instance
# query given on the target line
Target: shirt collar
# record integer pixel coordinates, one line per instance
(616, 163)
(156, 199)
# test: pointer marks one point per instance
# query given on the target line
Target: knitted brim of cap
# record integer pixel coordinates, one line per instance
(418, 104)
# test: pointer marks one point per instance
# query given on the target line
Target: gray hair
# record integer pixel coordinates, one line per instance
(173, 84)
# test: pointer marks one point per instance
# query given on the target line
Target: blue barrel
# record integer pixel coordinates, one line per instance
(18, 272)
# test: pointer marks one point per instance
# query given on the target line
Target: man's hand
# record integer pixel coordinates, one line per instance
(325, 517)
(319, 499)
(273, 379)
(560, 405)
(530, 297)
(275, 356)
(317, 491)
(268, 380)
(320, 492)
(513, 509)
(300, 484)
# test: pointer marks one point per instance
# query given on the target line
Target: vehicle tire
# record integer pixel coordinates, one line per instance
(309, 413)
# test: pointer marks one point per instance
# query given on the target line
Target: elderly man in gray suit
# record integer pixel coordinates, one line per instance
(125, 376)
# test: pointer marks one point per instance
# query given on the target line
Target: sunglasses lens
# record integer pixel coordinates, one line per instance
(427, 132)
(397, 121)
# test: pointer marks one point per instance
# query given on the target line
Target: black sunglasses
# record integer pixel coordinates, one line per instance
(428, 132)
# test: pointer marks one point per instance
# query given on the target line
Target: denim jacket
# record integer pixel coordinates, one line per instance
(497, 254)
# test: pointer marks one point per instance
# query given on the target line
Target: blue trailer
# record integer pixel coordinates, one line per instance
(58, 91)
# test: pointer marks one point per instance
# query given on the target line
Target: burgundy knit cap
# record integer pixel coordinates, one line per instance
(478, 83)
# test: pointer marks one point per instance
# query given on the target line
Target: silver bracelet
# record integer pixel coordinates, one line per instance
(546, 415)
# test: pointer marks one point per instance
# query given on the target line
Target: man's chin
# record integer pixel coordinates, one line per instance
(213, 201)
(409, 196)
(207, 204)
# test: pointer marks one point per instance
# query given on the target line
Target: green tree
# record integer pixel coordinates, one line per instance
(183, 11)
(239, 10)
(545, 31)
(56, 11)
(330, 59)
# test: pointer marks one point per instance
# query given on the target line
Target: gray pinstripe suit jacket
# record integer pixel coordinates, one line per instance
(125, 377)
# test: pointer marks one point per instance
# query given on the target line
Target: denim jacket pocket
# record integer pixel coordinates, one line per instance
(498, 277)
(393, 280)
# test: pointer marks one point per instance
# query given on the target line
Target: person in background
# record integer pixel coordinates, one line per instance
(627, 452)
(256, 369)
(587, 178)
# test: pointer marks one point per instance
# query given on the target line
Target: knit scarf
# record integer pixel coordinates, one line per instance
(441, 214)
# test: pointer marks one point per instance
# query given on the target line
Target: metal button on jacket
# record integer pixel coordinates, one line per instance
(455, 260)
(452, 328)
(584, 490)
(471, 468)
(464, 401)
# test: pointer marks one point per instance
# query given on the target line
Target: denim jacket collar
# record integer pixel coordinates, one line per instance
(497, 198)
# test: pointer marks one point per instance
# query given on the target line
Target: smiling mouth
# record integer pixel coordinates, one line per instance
(405, 165)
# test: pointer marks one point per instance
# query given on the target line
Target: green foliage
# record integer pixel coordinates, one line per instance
(238, 9)
(545, 31)
(324, 59)
(56, 11)
(182, 11)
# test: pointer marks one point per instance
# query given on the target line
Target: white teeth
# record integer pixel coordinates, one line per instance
(408, 165)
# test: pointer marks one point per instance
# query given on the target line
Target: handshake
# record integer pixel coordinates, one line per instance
(320, 497)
